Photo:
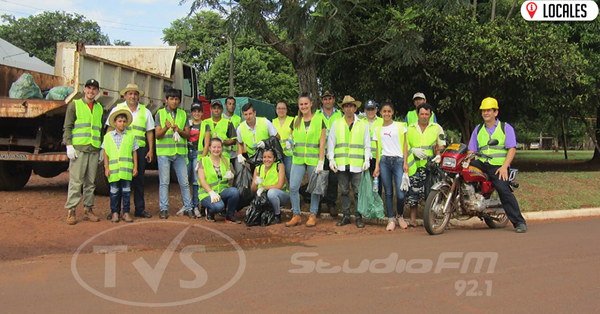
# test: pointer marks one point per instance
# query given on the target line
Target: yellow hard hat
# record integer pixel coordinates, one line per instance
(489, 103)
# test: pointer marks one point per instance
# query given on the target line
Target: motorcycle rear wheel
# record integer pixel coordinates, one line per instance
(496, 220)
(435, 216)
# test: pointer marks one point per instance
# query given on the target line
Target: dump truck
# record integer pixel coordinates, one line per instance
(31, 129)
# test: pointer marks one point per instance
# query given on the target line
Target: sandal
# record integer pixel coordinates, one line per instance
(402, 223)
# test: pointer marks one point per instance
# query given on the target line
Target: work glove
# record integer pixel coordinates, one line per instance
(214, 196)
(228, 175)
(419, 153)
(260, 191)
(71, 153)
(319, 167)
(437, 159)
(289, 145)
(101, 156)
(333, 165)
(366, 165)
(241, 159)
(176, 137)
(258, 180)
(405, 182)
(260, 144)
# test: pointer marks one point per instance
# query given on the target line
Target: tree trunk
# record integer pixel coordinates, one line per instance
(307, 79)
(493, 10)
(596, 158)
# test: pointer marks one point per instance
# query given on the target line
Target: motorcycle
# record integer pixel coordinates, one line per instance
(465, 192)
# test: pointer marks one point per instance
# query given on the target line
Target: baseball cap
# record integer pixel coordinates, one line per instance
(327, 93)
(196, 105)
(419, 95)
(217, 103)
(370, 104)
(92, 82)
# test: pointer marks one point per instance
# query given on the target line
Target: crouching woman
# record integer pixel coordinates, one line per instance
(270, 178)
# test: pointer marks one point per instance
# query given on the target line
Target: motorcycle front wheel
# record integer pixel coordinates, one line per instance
(435, 216)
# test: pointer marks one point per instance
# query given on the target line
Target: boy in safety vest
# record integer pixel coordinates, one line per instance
(252, 133)
(329, 113)
(120, 162)
(172, 132)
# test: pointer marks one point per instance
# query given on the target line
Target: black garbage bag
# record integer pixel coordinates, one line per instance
(243, 182)
(435, 174)
(317, 183)
(256, 159)
(260, 212)
(270, 143)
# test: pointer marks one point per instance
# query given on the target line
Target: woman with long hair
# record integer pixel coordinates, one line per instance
(283, 124)
(270, 178)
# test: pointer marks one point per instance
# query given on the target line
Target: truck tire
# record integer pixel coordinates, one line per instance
(14, 175)
(49, 170)
(101, 182)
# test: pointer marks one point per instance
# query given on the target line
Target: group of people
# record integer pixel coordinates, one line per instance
(213, 150)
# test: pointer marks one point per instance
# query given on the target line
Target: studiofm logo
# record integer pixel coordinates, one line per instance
(559, 10)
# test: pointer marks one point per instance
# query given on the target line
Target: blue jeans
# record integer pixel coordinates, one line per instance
(287, 163)
(164, 177)
(120, 189)
(297, 174)
(391, 170)
(193, 175)
(229, 197)
(277, 198)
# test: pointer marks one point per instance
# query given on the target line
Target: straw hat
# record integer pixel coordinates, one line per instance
(111, 118)
(349, 100)
(131, 87)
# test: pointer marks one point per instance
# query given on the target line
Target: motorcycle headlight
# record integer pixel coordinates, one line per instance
(449, 162)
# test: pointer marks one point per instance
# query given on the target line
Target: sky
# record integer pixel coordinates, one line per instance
(139, 21)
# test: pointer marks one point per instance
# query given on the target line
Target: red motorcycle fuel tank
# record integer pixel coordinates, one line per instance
(474, 174)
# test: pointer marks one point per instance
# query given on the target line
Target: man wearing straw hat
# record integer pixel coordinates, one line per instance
(142, 126)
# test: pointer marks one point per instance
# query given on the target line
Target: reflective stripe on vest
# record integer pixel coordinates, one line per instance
(498, 152)
(120, 160)
(284, 132)
(166, 146)
(210, 174)
(412, 117)
(425, 141)
(87, 126)
(400, 126)
(235, 120)
(138, 126)
(306, 143)
(378, 122)
(349, 144)
(261, 132)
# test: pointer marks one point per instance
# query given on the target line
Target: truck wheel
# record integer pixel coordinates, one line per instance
(49, 170)
(14, 175)
(101, 182)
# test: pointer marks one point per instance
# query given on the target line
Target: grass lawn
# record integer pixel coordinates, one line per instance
(550, 155)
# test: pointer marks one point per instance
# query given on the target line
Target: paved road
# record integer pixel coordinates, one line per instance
(553, 268)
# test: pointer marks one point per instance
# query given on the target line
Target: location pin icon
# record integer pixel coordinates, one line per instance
(531, 8)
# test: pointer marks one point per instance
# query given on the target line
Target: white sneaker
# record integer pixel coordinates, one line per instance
(391, 225)
(197, 212)
(181, 211)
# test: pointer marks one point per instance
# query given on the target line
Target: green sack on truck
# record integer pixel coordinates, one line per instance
(25, 88)
(370, 204)
(59, 93)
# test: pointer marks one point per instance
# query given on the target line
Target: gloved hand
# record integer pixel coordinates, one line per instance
(258, 180)
(214, 196)
(289, 145)
(176, 137)
(437, 159)
(405, 182)
(419, 153)
(241, 159)
(101, 156)
(228, 175)
(260, 144)
(71, 153)
(333, 165)
(260, 191)
(366, 165)
(319, 167)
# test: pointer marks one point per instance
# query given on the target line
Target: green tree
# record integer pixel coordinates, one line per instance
(119, 42)
(38, 34)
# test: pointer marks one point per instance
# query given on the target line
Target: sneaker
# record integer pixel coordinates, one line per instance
(232, 220)
(210, 217)
(521, 228)
(190, 213)
(391, 225)
(181, 212)
(402, 223)
(197, 213)
(164, 214)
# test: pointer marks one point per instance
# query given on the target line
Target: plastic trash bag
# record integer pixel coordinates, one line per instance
(270, 143)
(59, 93)
(25, 88)
(317, 184)
(259, 213)
(435, 174)
(243, 181)
(369, 204)
(256, 159)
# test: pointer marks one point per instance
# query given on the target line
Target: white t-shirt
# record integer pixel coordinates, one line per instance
(390, 140)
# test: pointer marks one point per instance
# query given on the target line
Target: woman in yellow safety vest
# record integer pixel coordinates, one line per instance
(215, 178)
(308, 133)
(283, 125)
(392, 149)
(270, 177)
